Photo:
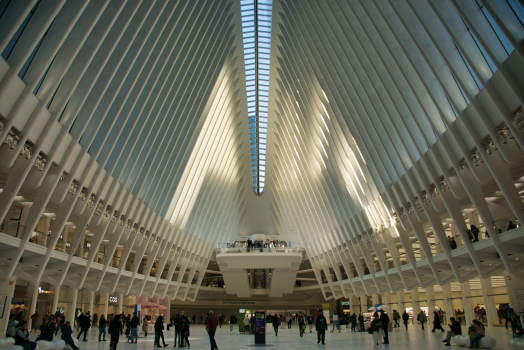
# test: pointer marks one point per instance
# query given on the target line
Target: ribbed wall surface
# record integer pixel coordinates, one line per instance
(131, 138)
(390, 132)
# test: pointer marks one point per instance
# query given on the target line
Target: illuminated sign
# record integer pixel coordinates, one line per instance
(41, 291)
(113, 299)
(345, 303)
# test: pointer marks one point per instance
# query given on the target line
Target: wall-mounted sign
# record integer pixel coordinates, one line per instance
(344, 303)
(113, 299)
(41, 291)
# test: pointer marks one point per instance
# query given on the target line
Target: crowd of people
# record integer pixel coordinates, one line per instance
(257, 244)
(117, 325)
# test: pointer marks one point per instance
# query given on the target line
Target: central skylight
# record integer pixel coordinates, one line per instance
(256, 35)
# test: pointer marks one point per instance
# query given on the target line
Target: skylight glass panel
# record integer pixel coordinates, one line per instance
(256, 36)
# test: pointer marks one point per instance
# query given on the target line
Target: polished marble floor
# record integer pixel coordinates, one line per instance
(289, 339)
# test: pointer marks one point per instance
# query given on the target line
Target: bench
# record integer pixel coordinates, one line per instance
(516, 344)
(57, 344)
(464, 340)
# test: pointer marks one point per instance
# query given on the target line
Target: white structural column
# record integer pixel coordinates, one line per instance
(430, 295)
(91, 301)
(7, 288)
(34, 300)
(54, 305)
(104, 301)
(515, 289)
(415, 301)
(448, 303)
(354, 306)
(168, 311)
(375, 299)
(467, 302)
(387, 301)
(70, 312)
(120, 303)
(364, 303)
(401, 301)
(489, 301)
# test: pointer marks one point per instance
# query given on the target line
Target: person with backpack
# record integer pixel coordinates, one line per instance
(115, 329)
(276, 323)
(310, 322)
(376, 329)
(422, 318)
(321, 326)
(396, 317)
(67, 336)
(405, 318)
(102, 323)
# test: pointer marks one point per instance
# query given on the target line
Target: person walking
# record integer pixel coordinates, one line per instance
(220, 320)
(301, 320)
(84, 322)
(114, 330)
(422, 318)
(177, 323)
(145, 326)
(282, 322)
(353, 320)
(396, 317)
(232, 322)
(159, 332)
(361, 322)
(276, 323)
(211, 326)
(384, 320)
(377, 331)
(34, 321)
(321, 327)
(310, 322)
(134, 328)
(506, 315)
(102, 328)
(289, 321)
(405, 318)
(335, 321)
(454, 329)
(184, 331)
(436, 322)
(67, 336)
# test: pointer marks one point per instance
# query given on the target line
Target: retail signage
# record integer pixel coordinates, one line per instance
(113, 299)
(260, 328)
(41, 291)
(345, 303)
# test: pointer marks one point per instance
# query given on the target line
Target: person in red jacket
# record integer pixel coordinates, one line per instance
(211, 326)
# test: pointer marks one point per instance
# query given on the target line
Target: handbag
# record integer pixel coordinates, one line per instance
(370, 331)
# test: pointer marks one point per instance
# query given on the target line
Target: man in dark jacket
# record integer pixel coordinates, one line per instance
(455, 329)
(84, 321)
(115, 329)
(384, 319)
(276, 323)
(301, 319)
(211, 326)
(361, 322)
(177, 323)
(321, 326)
(405, 318)
(134, 327)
